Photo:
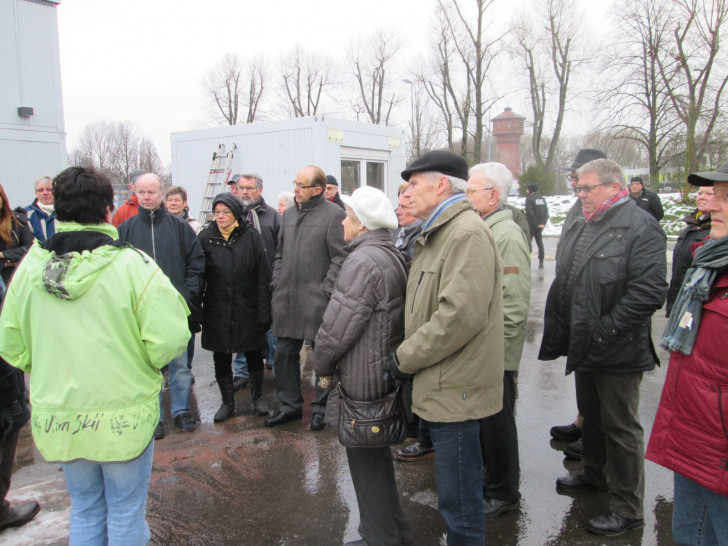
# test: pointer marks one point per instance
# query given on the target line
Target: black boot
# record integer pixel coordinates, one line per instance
(227, 409)
(256, 392)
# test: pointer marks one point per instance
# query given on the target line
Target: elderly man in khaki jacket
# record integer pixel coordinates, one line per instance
(453, 347)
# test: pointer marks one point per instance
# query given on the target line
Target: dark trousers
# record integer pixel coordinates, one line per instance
(613, 437)
(381, 519)
(7, 456)
(499, 446)
(423, 434)
(224, 363)
(537, 233)
(287, 365)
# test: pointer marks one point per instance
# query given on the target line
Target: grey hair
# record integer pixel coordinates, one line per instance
(288, 196)
(258, 179)
(44, 178)
(498, 175)
(457, 185)
(607, 170)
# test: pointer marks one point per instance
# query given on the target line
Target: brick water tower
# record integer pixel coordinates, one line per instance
(507, 130)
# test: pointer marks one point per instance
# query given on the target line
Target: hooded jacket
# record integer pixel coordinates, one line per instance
(116, 320)
(172, 243)
(454, 320)
(236, 295)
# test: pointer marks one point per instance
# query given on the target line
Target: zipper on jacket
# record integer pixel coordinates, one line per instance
(154, 249)
(417, 288)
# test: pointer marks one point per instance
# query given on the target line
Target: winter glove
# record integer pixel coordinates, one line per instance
(392, 374)
(325, 381)
(12, 418)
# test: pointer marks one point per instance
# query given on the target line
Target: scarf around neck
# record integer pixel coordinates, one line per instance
(687, 311)
(226, 232)
(617, 198)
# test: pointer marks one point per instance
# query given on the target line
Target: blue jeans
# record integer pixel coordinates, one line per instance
(180, 382)
(109, 500)
(240, 365)
(459, 479)
(699, 516)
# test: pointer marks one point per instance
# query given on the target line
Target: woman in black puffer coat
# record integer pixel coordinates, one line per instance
(236, 299)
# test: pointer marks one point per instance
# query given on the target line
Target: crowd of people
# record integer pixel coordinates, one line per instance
(427, 302)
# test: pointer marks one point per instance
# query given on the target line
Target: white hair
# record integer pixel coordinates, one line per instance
(288, 196)
(457, 185)
(498, 175)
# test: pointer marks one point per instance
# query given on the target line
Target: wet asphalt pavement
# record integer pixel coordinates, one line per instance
(240, 482)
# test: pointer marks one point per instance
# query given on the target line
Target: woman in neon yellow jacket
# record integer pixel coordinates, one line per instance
(92, 320)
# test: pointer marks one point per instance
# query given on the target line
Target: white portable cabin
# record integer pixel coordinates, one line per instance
(32, 133)
(357, 154)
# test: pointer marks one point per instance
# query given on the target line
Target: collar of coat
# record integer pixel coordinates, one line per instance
(315, 201)
(148, 216)
(455, 208)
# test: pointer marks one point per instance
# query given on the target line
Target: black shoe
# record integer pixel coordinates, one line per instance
(566, 433)
(240, 383)
(21, 515)
(317, 421)
(612, 524)
(185, 422)
(159, 431)
(495, 507)
(577, 482)
(574, 450)
(259, 407)
(414, 452)
(281, 417)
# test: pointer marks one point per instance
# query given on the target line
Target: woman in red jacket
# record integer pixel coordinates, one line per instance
(690, 434)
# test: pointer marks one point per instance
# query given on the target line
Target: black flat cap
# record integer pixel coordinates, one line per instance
(440, 161)
(707, 179)
(584, 156)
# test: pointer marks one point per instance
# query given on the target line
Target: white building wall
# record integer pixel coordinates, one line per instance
(30, 76)
(277, 150)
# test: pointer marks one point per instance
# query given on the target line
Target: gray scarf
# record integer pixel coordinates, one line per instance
(682, 328)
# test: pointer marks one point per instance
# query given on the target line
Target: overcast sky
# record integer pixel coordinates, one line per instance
(143, 60)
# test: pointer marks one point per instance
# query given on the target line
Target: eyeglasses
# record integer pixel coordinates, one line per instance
(588, 189)
(223, 212)
(247, 188)
(471, 191)
(302, 187)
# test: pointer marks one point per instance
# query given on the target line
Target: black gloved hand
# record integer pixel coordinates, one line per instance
(12, 418)
(391, 373)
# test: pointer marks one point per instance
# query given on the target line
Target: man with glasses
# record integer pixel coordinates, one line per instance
(572, 433)
(41, 212)
(610, 279)
(308, 258)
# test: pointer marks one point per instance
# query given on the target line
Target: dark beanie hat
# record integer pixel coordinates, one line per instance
(440, 161)
(637, 179)
(331, 180)
(533, 188)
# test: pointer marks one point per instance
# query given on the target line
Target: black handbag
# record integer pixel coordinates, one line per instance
(378, 423)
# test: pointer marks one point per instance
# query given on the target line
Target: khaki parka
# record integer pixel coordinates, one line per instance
(454, 320)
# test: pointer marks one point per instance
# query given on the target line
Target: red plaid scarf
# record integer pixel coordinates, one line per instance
(619, 197)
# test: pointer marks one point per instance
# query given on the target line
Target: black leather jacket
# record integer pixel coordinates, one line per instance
(601, 319)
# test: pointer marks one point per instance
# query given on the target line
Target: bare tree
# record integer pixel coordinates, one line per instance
(232, 84)
(549, 58)
(306, 78)
(458, 82)
(372, 61)
(116, 148)
(693, 72)
(423, 130)
(638, 105)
